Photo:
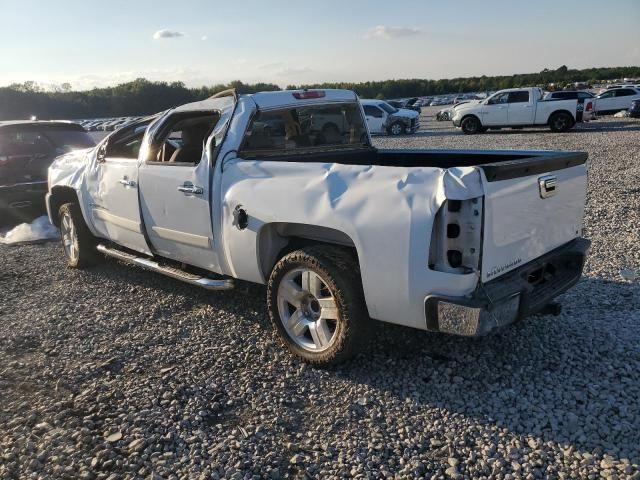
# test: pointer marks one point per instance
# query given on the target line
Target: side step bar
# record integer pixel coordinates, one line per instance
(204, 282)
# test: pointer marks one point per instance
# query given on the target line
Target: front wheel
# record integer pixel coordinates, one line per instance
(560, 122)
(77, 241)
(471, 125)
(396, 129)
(316, 304)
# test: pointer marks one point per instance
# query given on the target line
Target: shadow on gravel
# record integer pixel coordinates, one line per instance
(556, 379)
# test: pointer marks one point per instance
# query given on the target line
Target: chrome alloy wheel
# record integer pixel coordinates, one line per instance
(69, 236)
(396, 129)
(308, 309)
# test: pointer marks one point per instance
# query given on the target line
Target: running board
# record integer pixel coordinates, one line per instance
(204, 282)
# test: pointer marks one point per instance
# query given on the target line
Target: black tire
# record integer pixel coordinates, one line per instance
(483, 129)
(78, 244)
(560, 122)
(340, 275)
(396, 128)
(471, 126)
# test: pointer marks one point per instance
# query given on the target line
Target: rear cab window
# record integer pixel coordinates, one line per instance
(521, 96)
(313, 128)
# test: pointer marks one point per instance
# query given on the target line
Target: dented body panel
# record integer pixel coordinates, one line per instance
(394, 208)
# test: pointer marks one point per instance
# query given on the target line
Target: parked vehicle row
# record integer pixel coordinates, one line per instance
(106, 124)
(247, 187)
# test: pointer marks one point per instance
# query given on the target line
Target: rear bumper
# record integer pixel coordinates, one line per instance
(515, 295)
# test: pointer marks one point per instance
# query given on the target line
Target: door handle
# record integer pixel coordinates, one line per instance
(191, 189)
(126, 182)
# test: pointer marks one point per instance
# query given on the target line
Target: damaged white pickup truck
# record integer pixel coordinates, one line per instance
(285, 189)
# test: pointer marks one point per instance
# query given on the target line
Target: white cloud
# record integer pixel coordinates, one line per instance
(167, 34)
(383, 31)
(203, 37)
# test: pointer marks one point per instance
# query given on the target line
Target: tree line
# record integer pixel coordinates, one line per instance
(141, 96)
(547, 78)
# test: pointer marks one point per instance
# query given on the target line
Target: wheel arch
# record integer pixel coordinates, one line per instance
(277, 239)
(556, 112)
(468, 115)
(59, 195)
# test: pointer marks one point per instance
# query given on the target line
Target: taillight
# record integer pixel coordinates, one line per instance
(589, 106)
(307, 94)
(456, 237)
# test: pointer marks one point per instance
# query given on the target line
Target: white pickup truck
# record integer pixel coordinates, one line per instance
(244, 187)
(518, 108)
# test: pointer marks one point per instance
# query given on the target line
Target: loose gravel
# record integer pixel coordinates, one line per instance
(116, 373)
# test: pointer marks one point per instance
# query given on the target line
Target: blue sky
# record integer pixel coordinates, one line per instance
(91, 43)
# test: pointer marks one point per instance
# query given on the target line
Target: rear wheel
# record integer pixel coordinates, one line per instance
(316, 304)
(77, 241)
(560, 122)
(471, 125)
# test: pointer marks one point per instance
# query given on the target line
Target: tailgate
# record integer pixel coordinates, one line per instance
(532, 206)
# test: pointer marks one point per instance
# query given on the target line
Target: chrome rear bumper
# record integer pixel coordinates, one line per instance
(516, 294)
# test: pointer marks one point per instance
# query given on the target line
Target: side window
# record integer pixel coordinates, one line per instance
(305, 128)
(126, 143)
(499, 99)
(583, 95)
(372, 111)
(25, 143)
(608, 94)
(182, 139)
(625, 92)
(519, 97)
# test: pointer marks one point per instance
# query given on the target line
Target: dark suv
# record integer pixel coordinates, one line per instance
(26, 151)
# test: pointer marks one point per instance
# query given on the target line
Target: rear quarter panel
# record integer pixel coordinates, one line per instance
(387, 212)
(544, 109)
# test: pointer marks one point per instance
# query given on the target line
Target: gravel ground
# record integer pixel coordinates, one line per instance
(119, 373)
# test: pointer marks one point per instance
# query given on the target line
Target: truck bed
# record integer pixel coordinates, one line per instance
(496, 164)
